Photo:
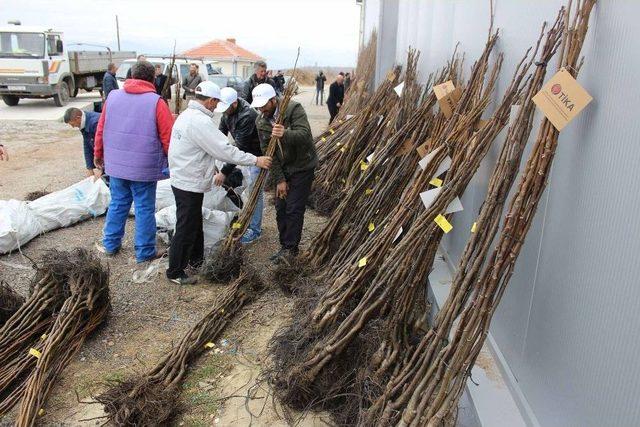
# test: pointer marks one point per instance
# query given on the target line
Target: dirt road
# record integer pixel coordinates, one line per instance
(225, 387)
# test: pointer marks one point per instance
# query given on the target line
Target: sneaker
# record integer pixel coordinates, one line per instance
(249, 236)
(100, 248)
(185, 280)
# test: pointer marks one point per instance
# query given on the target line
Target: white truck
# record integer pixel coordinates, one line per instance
(34, 63)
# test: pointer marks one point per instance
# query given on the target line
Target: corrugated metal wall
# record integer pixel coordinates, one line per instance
(568, 324)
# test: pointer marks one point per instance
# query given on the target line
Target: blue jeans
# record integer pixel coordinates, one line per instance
(256, 220)
(123, 192)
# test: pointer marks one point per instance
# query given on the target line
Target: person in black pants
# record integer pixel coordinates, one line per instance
(336, 96)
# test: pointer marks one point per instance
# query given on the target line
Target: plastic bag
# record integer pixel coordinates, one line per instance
(215, 224)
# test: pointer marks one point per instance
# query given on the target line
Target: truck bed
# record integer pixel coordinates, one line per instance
(87, 61)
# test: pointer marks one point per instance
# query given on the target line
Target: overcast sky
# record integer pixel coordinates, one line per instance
(325, 30)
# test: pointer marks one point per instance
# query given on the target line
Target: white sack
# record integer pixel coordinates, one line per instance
(215, 224)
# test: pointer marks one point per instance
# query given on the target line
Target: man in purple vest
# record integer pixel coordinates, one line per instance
(131, 143)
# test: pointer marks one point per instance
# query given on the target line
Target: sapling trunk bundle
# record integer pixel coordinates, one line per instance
(152, 398)
(10, 302)
(33, 320)
(443, 379)
(82, 313)
(224, 265)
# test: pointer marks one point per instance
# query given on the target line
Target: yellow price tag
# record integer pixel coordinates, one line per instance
(43, 337)
(368, 191)
(474, 227)
(344, 181)
(371, 227)
(436, 182)
(331, 131)
(236, 225)
(323, 139)
(209, 345)
(362, 262)
(41, 412)
(35, 353)
(363, 165)
(222, 311)
(342, 150)
(338, 144)
(443, 223)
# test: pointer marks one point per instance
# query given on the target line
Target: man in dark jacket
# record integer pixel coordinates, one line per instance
(293, 164)
(239, 119)
(280, 82)
(160, 81)
(191, 81)
(87, 122)
(347, 82)
(109, 81)
(336, 96)
(258, 77)
(320, 79)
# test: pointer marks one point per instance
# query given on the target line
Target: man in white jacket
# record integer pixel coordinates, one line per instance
(195, 144)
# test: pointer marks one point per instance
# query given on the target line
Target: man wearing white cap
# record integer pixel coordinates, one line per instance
(196, 143)
(294, 163)
(239, 119)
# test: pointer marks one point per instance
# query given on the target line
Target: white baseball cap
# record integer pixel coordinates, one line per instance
(208, 89)
(262, 94)
(228, 96)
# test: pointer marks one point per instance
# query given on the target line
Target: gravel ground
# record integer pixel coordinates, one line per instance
(147, 318)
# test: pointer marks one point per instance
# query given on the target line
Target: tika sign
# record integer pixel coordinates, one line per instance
(562, 99)
(448, 96)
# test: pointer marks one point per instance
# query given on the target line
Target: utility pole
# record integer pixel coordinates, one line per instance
(118, 31)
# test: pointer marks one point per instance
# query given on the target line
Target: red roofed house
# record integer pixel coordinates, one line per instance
(230, 57)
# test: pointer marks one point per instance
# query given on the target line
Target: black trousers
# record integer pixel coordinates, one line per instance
(290, 211)
(187, 245)
(333, 111)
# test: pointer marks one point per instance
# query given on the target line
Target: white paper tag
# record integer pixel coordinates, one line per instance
(397, 235)
(454, 206)
(348, 116)
(399, 88)
(380, 119)
(444, 166)
(429, 196)
(370, 157)
(427, 159)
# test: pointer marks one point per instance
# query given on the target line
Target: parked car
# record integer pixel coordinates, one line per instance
(224, 80)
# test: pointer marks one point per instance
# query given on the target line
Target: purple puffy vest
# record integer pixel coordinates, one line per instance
(132, 147)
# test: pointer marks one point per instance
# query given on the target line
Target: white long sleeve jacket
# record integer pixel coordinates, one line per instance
(195, 144)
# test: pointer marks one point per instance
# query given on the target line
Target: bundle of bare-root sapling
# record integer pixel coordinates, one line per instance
(24, 330)
(225, 263)
(442, 377)
(151, 399)
(84, 311)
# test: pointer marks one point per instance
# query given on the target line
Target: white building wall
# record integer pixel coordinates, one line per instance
(568, 324)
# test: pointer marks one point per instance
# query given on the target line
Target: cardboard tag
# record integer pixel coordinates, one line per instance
(454, 206)
(422, 148)
(35, 353)
(448, 96)
(362, 262)
(391, 76)
(481, 123)
(398, 89)
(474, 227)
(437, 182)
(429, 196)
(443, 223)
(371, 227)
(561, 99)
(424, 162)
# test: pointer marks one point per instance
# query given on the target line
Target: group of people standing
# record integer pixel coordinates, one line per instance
(136, 141)
(337, 90)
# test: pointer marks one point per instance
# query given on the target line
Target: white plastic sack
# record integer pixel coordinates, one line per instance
(22, 221)
(215, 224)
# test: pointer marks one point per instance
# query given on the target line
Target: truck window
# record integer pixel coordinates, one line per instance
(21, 45)
(52, 43)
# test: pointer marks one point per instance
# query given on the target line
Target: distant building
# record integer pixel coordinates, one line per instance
(230, 57)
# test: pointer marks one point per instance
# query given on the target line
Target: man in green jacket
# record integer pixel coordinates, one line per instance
(293, 165)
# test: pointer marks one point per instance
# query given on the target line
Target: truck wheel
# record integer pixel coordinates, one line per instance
(61, 98)
(11, 100)
(75, 92)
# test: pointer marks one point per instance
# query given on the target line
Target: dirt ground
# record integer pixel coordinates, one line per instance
(225, 388)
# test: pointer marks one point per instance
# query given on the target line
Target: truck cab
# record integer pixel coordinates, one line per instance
(34, 63)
